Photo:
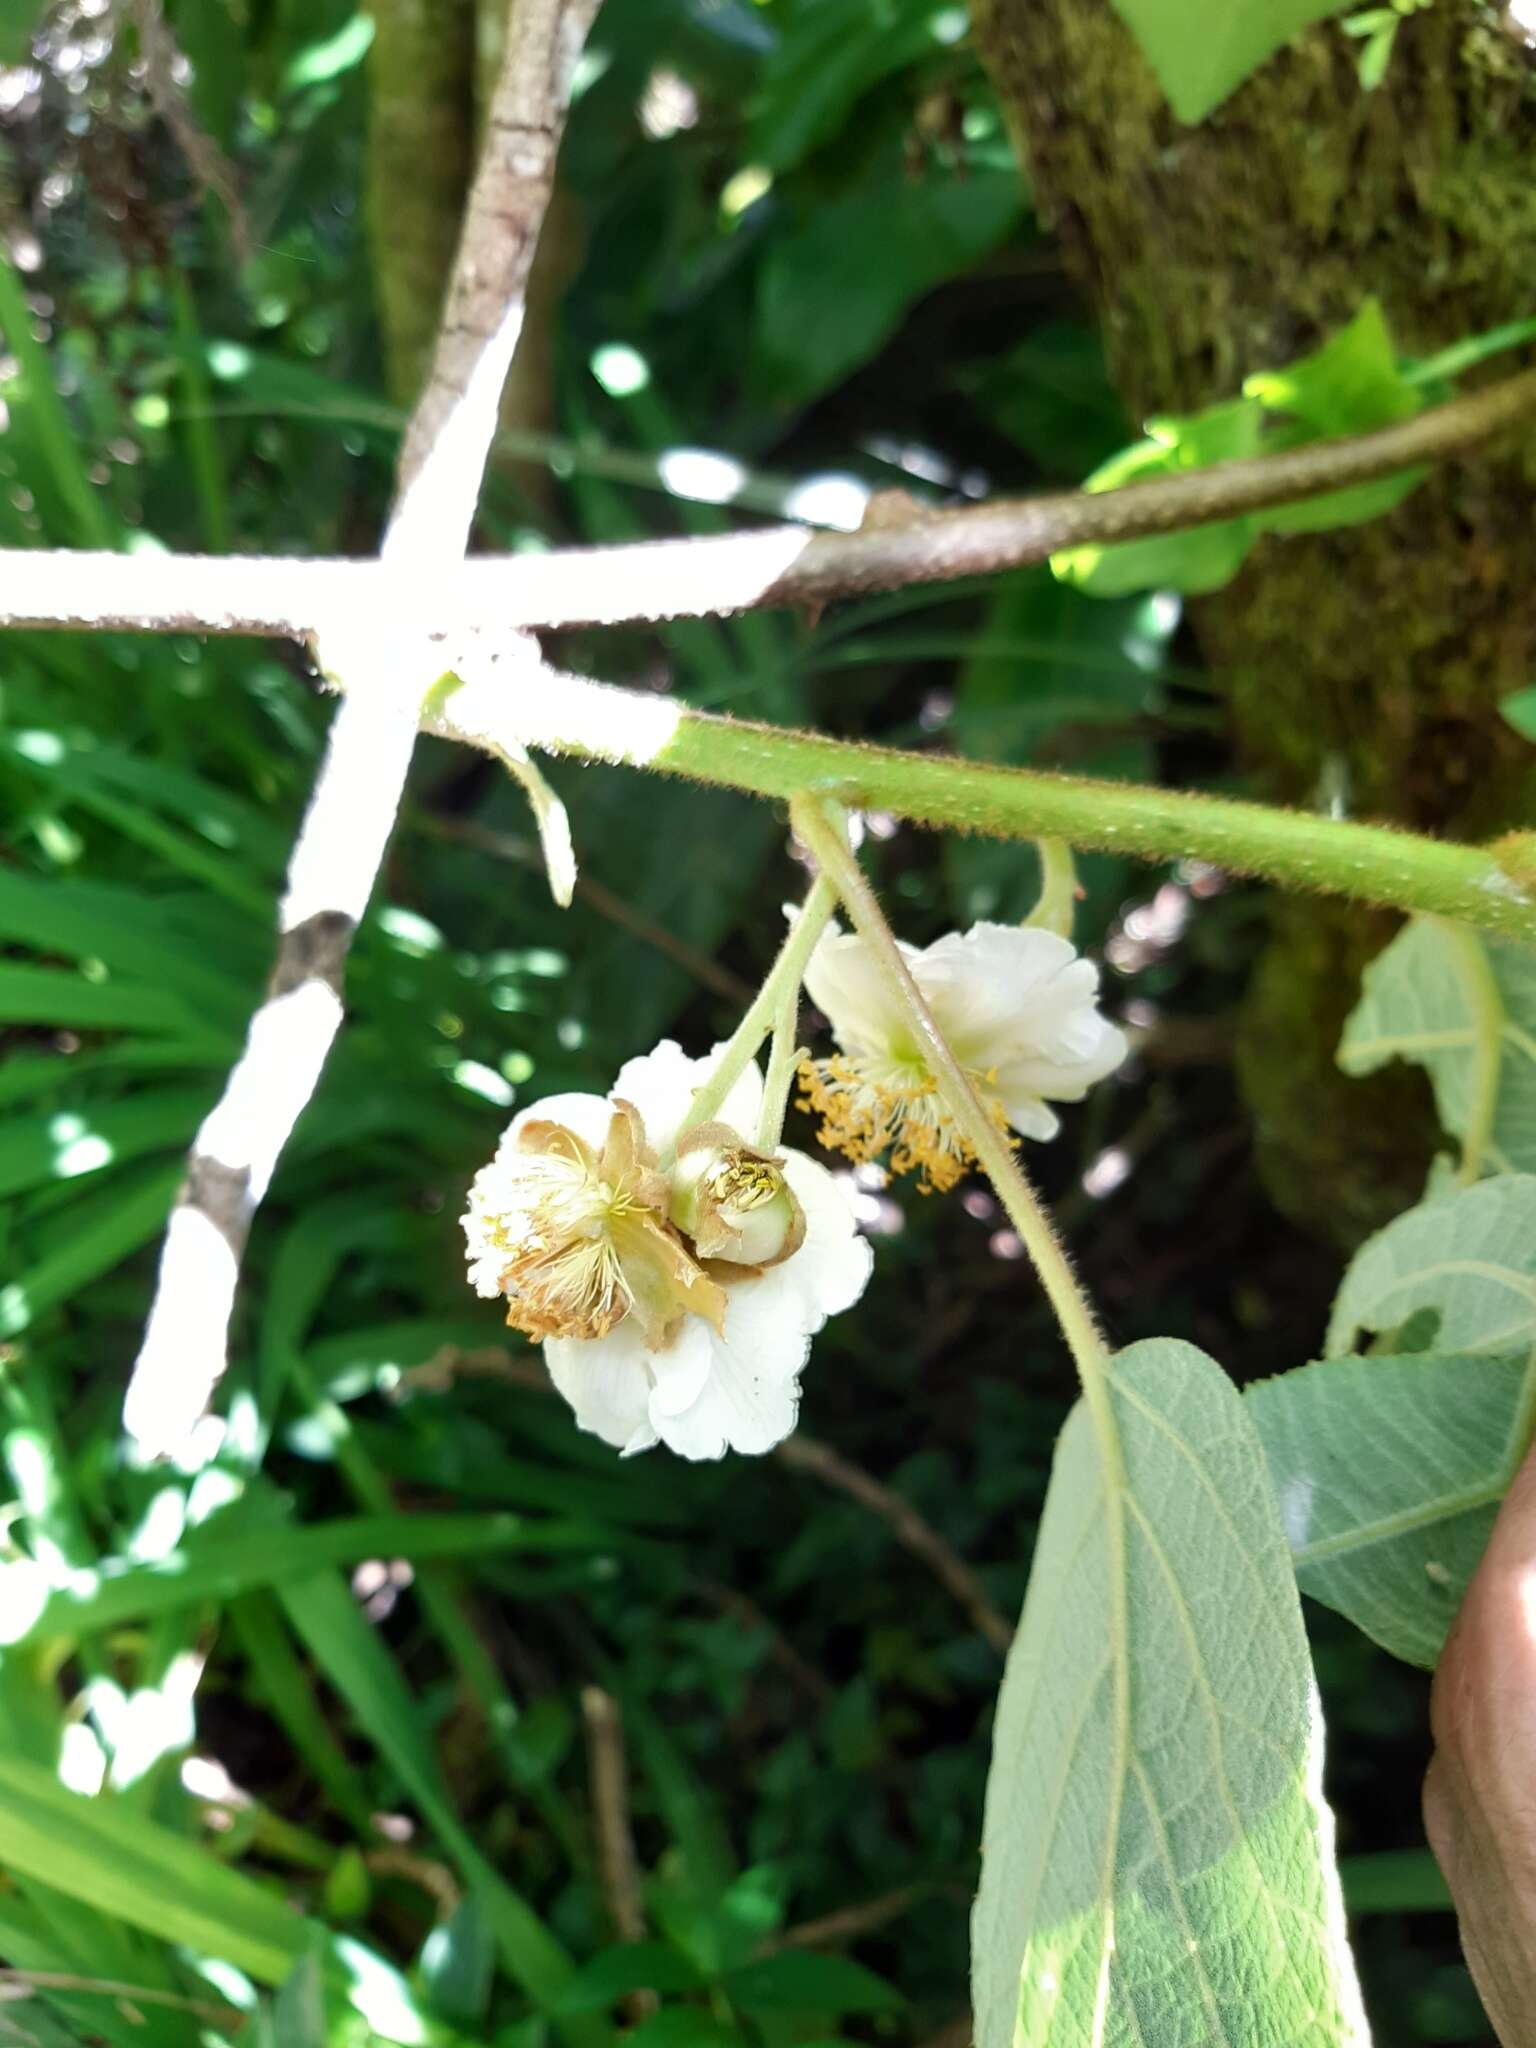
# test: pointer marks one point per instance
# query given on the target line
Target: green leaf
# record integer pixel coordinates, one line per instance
(1348, 386)
(684, 2026)
(19, 21)
(823, 63)
(1156, 1861)
(66, 1144)
(1389, 1473)
(1201, 53)
(1464, 1009)
(1469, 1256)
(298, 2010)
(831, 293)
(634, 1966)
(1520, 710)
(108, 1855)
(103, 1237)
(458, 1965)
(800, 1980)
(220, 1567)
(362, 1671)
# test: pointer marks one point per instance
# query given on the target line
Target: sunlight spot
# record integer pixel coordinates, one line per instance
(231, 1984)
(948, 25)
(1109, 1171)
(1006, 1244)
(15, 1313)
(411, 933)
(82, 1155)
(161, 1527)
(379, 1993)
(206, 1778)
(230, 360)
(620, 369)
(571, 1033)
(23, 1596)
(517, 1066)
(743, 189)
(668, 105)
(876, 1214)
(483, 1081)
(47, 749)
(1523, 15)
(1047, 1980)
(591, 65)
(832, 500)
(82, 1760)
(701, 473)
(1296, 1510)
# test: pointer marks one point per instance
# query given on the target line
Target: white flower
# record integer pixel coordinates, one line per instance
(717, 1372)
(1019, 1008)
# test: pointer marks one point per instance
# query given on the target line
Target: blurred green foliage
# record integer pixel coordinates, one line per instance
(296, 1744)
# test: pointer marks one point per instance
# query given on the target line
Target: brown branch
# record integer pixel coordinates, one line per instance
(836, 1929)
(805, 1454)
(714, 576)
(608, 1777)
(342, 840)
(208, 164)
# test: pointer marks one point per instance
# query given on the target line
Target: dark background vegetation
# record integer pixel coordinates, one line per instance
(793, 233)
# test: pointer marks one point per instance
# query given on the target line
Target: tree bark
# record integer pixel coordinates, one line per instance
(1362, 666)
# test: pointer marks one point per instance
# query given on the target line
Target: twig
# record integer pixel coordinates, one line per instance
(26, 1982)
(800, 1452)
(715, 576)
(606, 902)
(435, 1879)
(341, 843)
(608, 1776)
(208, 164)
(835, 1929)
(805, 1454)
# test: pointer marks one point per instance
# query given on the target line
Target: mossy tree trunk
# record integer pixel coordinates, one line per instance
(1363, 666)
(432, 67)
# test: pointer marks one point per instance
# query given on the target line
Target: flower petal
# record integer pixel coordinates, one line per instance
(847, 984)
(662, 1084)
(751, 1397)
(607, 1383)
(681, 1369)
(587, 1115)
(832, 1267)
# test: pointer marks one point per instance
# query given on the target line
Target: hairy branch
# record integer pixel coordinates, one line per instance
(391, 660)
(713, 576)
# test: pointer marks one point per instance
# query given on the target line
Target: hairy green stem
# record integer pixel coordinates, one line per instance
(1294, 848)
(781, 982)
(781, 1071)
(821, 826)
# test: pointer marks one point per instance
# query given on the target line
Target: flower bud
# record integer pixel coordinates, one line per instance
(733, 1201)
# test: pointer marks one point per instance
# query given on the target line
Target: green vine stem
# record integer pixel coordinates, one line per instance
(780, 986)
(1056, 910)
(821, 826)
(781, 1071)
(570, 715)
